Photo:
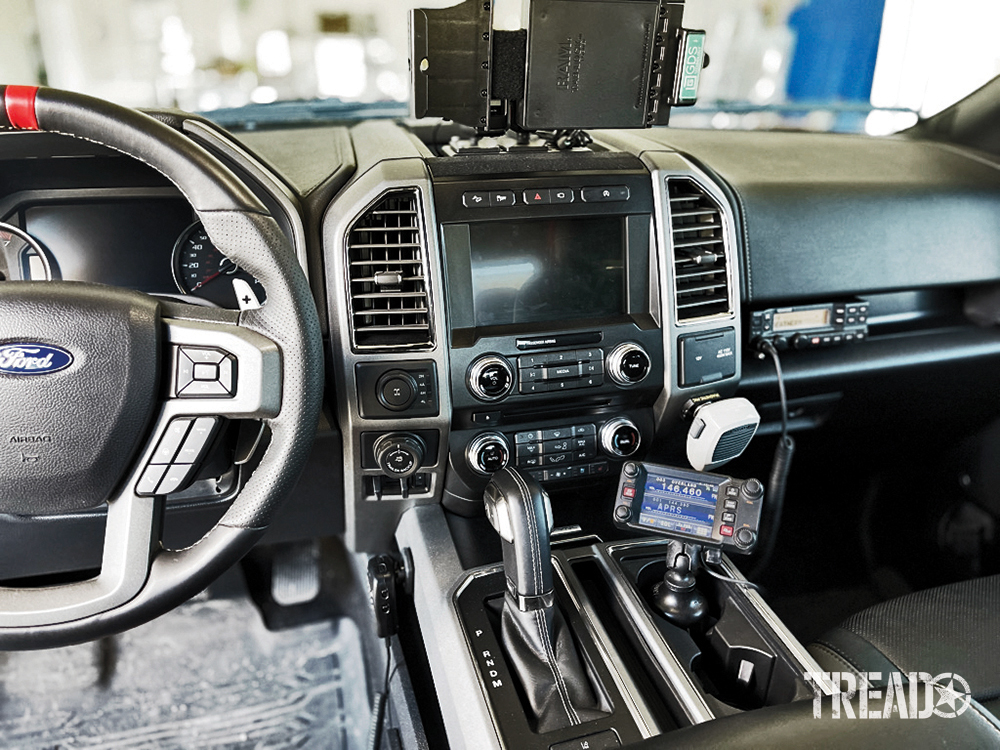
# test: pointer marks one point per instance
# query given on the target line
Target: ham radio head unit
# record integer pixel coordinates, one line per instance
(712, 510)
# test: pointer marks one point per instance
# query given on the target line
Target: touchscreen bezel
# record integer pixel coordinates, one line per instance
(637, 273)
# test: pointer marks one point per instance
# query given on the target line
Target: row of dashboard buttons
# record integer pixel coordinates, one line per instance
(179, 450)
(544, 196)
(596, 469)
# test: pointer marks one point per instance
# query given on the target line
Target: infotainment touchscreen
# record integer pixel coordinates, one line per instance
(547, 270)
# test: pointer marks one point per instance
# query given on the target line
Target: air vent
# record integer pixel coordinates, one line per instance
(390, 307)
(700, 274)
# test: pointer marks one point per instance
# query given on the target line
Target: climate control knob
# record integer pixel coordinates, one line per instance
(628, 364)
(620, 437)
(487, 453)
(399, 454)
(490, 378)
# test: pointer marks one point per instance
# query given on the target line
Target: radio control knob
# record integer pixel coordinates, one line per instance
(399, 454)
(622, 513)
(620, 437)
(628, 364)
(487, 453)
(490, 378)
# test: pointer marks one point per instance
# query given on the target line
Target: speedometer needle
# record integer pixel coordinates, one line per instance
(204, 281)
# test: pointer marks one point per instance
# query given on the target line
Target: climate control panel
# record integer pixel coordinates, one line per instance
(554, 452)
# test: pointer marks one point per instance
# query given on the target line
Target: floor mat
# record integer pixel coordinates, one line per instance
(207, 675)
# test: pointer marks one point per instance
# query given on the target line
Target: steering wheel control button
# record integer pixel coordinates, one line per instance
(175, 479)
(150, 479)
(396, 390)
(490, 378)
(620, 437)
(204, 373)
(170, 442)
(197, 440)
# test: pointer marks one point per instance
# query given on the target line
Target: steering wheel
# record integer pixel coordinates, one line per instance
(107, 395)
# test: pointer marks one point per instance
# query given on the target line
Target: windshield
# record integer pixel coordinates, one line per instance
(851, 65)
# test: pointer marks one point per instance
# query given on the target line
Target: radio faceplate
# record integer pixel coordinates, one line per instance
(709, 509)
(812, 326)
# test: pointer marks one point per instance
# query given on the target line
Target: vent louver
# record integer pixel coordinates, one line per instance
(700, 273)
(390, 307)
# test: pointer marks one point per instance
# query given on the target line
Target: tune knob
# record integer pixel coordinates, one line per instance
(399, 454)
(487, 453)
(490, 378)
(620, 437)
(628, 364)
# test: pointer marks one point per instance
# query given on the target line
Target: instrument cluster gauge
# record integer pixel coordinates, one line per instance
(202, 270)
(23, 258)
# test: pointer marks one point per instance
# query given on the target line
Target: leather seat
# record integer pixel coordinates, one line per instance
(950, 629)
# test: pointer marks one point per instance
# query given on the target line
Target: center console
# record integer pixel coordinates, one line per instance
(555, 337)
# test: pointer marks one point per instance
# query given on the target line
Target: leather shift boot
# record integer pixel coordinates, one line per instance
(540, 648)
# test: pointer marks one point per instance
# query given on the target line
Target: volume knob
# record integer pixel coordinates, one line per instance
(490, 378)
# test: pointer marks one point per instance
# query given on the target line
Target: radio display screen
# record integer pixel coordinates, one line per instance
(547, 270)
(680, 505)
(796, 319)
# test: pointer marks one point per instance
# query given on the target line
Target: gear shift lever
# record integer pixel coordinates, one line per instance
(522, 515)
(534, 635)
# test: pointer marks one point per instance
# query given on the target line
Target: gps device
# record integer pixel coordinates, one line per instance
(710, 509)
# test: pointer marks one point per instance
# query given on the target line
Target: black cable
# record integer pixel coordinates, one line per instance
(379, 704)
(781, 466)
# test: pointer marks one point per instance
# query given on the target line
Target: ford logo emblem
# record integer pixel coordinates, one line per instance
(33, 359)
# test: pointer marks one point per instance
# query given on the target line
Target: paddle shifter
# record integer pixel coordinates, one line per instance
(537, 642)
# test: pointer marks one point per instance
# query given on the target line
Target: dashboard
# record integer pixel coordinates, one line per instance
(555, 311)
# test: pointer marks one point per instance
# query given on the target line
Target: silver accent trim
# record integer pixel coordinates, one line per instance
(478, 443)
(637, 707)
(688, 696)
(281, 193)
(608, 433)
(370, 524)
(128, 545)
(531, 603)
(438, 580)
(614, 367)
(476, 369)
